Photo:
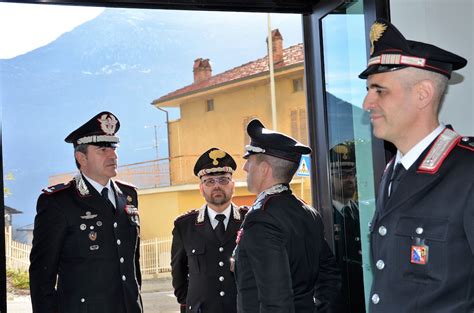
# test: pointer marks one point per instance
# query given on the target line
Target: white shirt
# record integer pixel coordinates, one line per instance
(411, 156)
(339, 206)
(99, 188)
(212, 216)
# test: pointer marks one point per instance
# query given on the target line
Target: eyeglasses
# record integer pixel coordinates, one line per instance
(210, 182)
(344, 173)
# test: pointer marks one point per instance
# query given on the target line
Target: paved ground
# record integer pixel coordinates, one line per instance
(157, 297)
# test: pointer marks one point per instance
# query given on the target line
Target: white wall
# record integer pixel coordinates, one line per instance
(447, 24)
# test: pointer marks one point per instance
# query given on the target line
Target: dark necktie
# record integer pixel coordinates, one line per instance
(397, 175)
(105, 193)
(348, 212)
(220, 228)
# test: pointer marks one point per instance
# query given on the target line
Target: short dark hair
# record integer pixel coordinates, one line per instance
(80, 148)
(283, 170)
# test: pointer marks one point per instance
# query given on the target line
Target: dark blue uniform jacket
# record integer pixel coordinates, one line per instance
(90, 247)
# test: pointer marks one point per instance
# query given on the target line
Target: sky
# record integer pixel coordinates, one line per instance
(25, 27)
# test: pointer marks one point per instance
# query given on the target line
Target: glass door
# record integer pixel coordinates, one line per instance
(342, 134)
(350, 151)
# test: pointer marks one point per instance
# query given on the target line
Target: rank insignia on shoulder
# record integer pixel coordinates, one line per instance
(189, 213)
(56, 188)
(467, 143)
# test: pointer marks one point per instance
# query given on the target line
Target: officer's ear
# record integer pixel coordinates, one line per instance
(266, 168)
(425, 93)
(81, 158)
(201, 187)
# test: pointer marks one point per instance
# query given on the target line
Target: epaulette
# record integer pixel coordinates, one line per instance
(240, 211)
(440, 149)
(56, 188)
(121, 182)
(467, 143)
(244, 208)
(265, 200)
(189, 213)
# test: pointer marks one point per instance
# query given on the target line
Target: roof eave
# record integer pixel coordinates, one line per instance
(173, 101)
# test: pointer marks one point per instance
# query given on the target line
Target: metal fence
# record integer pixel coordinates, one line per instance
(155, 254)
(17, 254)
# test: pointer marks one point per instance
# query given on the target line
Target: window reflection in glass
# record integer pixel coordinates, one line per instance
(351, 177)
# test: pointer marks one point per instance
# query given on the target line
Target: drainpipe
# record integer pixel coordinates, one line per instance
(167, 130)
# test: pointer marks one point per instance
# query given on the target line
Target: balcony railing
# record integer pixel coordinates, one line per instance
(144, 175)
(156, 173)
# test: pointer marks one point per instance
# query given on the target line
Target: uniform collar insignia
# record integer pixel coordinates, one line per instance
(236, 213)
(201, 214)
(116, 187)
(270, 191)
(81, 185)
(445, 142)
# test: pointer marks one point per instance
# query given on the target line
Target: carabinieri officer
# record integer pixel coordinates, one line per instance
(422, 234)
(283, 263)
(203, 240)
(85, 255)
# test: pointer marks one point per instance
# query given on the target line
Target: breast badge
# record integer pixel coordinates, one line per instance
(88, 216)
(132, 213)
(93, 236)
(419, 254)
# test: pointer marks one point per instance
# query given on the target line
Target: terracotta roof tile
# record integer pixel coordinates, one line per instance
(291, 56)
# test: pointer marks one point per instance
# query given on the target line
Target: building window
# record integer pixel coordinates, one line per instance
(299, 125)
(210, 105)
(297, 84)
